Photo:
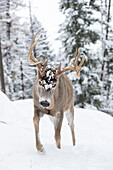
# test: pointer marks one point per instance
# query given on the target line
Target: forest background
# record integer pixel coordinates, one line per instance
(87, 25)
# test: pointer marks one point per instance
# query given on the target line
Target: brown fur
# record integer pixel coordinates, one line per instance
(61, 101)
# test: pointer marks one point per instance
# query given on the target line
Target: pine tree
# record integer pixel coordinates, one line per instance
(107, 51)
(19, 77)
(30, 28)
(78, 32)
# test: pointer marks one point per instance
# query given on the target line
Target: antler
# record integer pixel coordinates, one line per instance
(74, 66)
(30, 56)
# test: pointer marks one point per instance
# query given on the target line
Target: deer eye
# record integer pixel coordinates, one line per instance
(40, 82)
(54, 85)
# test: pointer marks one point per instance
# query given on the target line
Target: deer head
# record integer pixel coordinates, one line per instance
(48, 78)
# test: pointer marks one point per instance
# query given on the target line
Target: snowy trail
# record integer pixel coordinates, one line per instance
(94, 141)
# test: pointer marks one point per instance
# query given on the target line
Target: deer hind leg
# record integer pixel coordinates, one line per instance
(70, 118)
(57, 125)
(36, 120)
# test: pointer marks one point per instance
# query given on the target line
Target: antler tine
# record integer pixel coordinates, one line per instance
(59, 68)
(45, 64)
(33, 41)
(77, 58)
(30, 56)
(37, 63)
(74, 57)
(80, 65)
(76, 67)
(34, 37)
(42, 73)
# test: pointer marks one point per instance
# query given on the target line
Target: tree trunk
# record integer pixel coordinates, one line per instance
(106, 38)
(22, 79)
(31, 26)
(7, 49)
(107, 31)
(2, 71)
(108, 19)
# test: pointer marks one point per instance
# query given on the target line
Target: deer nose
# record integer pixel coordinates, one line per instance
(44, 103)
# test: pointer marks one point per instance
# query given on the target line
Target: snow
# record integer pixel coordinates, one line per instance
(48, 73)
(48, 80)
(48, 86)
(94, 140)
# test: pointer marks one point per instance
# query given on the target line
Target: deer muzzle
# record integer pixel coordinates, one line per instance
(45, 103)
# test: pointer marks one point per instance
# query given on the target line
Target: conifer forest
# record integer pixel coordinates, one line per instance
(87, 25)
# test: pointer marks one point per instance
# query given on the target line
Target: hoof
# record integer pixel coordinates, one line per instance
(41, 151)
(58, 145)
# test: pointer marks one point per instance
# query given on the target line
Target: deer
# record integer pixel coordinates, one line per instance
(53, 94)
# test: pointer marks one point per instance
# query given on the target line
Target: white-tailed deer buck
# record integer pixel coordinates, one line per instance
(53, 95)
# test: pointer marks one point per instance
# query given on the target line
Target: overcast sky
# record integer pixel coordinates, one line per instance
(48, 13)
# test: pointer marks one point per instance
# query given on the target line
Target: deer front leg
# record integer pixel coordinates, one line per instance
(57, 125)
(36, 120)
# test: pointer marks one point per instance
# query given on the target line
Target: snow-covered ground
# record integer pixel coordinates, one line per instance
(94, 140)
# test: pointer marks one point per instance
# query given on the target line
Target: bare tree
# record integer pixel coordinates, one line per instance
(1, 71)
(7, 54)
(22, 79)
